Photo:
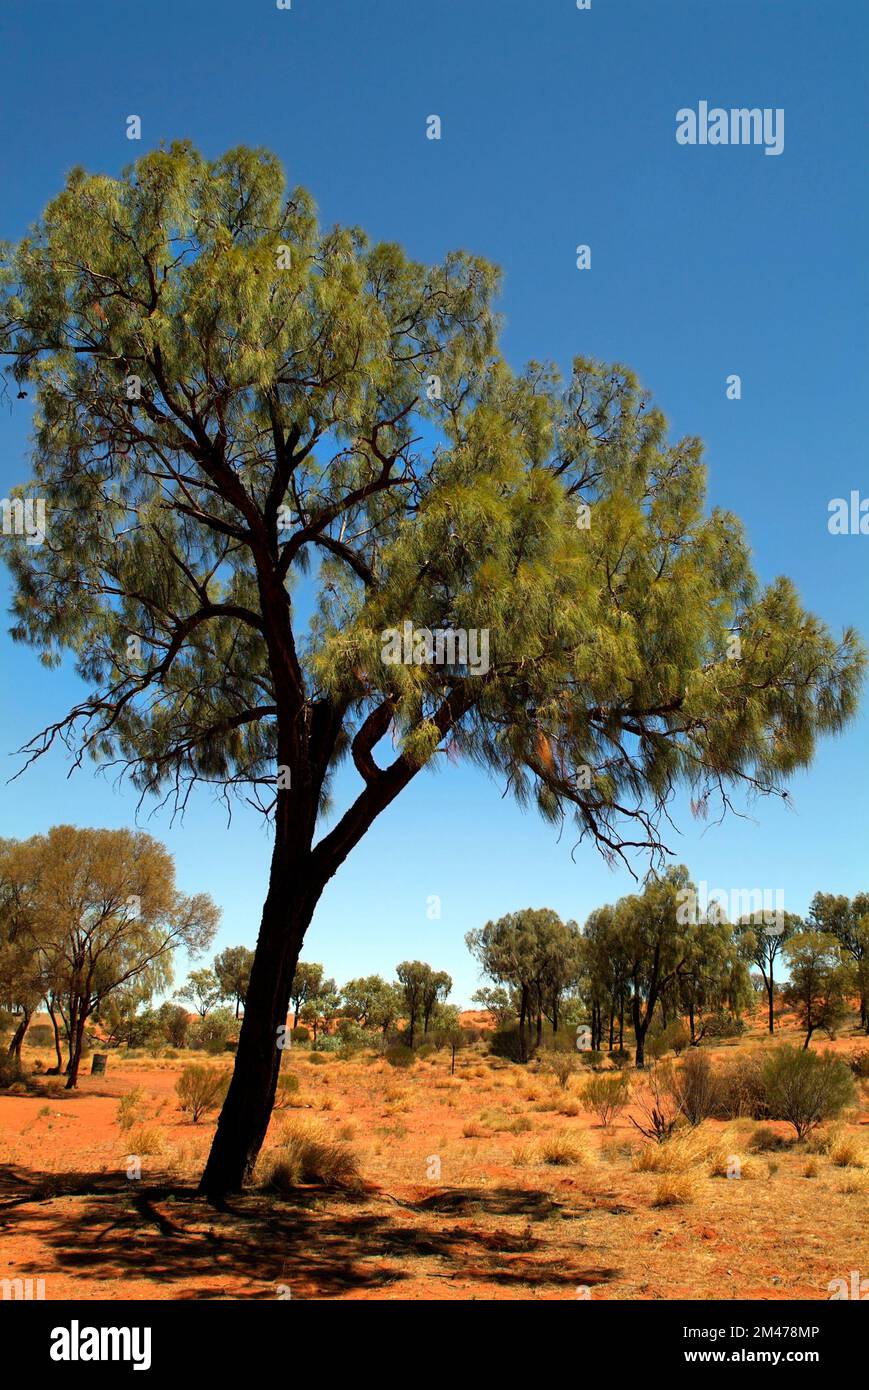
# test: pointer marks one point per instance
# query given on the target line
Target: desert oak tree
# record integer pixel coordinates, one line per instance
(230, 402)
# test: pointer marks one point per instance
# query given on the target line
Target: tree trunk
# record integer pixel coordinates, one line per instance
(57, 1049)
(770, 991)
(76, 1043)
(246, 1112)
(640, 1027)
(19, 1035)
(691, 1023)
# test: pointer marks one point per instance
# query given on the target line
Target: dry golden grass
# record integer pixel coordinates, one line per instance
(306, 1153)
(523, 1171)
(146, 1139)
(675, 1189)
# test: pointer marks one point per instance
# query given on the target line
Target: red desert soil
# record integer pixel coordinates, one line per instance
(456, 1201)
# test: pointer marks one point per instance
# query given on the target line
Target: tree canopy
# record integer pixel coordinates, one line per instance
(231, 403)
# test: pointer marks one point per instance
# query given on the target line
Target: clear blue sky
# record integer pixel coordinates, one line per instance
(558, 129)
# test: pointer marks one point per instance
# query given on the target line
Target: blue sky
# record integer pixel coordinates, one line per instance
(558, 129)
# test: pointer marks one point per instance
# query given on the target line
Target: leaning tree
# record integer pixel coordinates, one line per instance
(261, 447)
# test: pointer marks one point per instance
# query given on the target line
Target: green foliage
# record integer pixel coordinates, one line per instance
(202, 990)
(806, 1088)
(819, 981)
(200, 1089)
(195, 343)
(400, 1056)
(232, 968)
(213, 1032)
(606, 1096)
(422, 989)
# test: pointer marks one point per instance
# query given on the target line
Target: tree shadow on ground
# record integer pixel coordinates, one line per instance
(317, 1243)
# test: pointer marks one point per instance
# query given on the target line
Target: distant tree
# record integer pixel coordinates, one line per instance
(660, 943)
(714, 980)
(201, 989)
(414, 978)
(448, 1032)
(213, 1031)
(372, 1002)
(436, 990)
(762, 944)
(848, 920)
(173, 1023)
(819, 981)
(23, 969)
(534, 954)
(423, 989)
(106, 913)
(321, 1009)
(307, 984)
(232, 968)
(224, 394)
(497, 1001)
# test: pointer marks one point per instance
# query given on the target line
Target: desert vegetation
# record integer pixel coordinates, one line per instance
(473, 1140)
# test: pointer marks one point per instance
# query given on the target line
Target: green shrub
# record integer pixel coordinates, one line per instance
(694, 1088)
(201, 1089)
(12, 1073)
(859, 1064)
(399, 1055)
(130, 1108)
(805, 1088)
(213, 1032)
(740, 1090)
(606, 1097)
(723, 1025)
(301, 1034)
(505, 1042)
(40, 1035)
(562, 1065)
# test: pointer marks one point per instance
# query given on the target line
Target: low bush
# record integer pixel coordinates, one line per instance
(741, 1090)
(606, 1097)
(399, 1055)
(201, 1089)
(805, 1088)
(562, 1065)
(675, 1190)
(694, 1088)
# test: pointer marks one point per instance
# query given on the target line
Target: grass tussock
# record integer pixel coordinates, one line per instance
(307, 1153)
(562, 1151)
(686, 1149)
(146, 1139)
(675, 1189)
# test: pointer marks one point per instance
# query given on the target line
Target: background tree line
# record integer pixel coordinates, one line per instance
(645, 963)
